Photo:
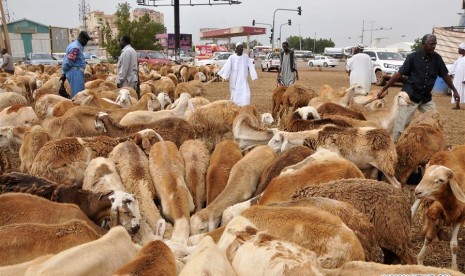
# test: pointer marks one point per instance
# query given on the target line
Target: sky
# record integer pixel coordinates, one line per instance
(339, 20)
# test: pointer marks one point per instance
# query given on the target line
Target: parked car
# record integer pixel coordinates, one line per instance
(152, 57)
(182, 58)
(270, 62)
(219, 60)
(385, 64)
(91, 58)
(40, 58)
(59, 57)
(323, 61)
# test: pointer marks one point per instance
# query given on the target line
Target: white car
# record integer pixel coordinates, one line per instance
(270, 62)
(323, 61)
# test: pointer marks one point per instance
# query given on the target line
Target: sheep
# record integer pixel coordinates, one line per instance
(11, 139)
(385, 118)
(33, 141)
(95, 206)
(417, 144)
(321, 167)
(336, 109)
(65, 160)
(277, 102)
(288, 157)
(51, 86)
(443, 181)
(147, 117)
(354, 219)
(200, 261)
(226, 154)
(20, 269)
(247, 129)
(194, 88)
(196, 162)
(344, 99)
(11, 98)
(356, 268)
(351, 121)
(267, 119)
(167, 174)
(164, 100)
(241, 185)
(212, 121)
(26, 241)
(332, 243)
(297, 96)
(100, 257)
(154, 259)
(172, 129)
(25, 208)
(123, 99)
(91, 98)
(164, 84)
(386, 207)
(101, 176)
(133, 167)
(199, 76)
(18, 115)
(298, 121)
(44, 107)
(366, 147)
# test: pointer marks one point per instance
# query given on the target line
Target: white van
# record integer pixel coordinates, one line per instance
(385, 63)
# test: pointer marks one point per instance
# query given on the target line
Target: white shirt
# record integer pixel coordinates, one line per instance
(361, 70)
(458, 70)
(236, 70)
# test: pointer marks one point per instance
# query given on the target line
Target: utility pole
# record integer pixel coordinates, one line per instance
(5, 29)
(300, 39)
(84, 9)
(314, 44)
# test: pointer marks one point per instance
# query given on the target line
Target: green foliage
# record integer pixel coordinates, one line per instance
(141, 31)
(308, 43)
(416, 45)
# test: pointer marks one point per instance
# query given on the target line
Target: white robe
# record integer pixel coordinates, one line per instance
(236, 70)
(458, 70)
(361, 70)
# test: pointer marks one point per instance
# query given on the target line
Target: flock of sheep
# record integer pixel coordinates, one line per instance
(169, 183)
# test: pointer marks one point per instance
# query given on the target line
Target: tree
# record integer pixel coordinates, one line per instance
(142, 31)
(416, 45)
(308, 43)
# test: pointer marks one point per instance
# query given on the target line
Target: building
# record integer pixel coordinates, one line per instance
(155, 16)
(95, 21)
(27, 36)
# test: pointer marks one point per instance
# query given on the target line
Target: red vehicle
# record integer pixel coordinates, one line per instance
(152, 57)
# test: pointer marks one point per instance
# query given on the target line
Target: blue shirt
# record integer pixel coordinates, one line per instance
(74, 57)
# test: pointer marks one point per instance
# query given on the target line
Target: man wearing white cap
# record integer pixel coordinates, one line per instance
(458, 70)
(360, 69)
(236, 69)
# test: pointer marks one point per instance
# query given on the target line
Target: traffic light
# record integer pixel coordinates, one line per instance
(253, 22)
(299, 10)
(289, 22)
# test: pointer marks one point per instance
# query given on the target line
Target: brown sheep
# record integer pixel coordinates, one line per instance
(277, 102)
(287, 158)
(223, 158)
(321, 167)
(24, 242)
(154, 259)
(386, 207)
(173, 129)
(33, 141)
(95, 205)
(296, 123)
(196, 160)
(297, 96)
(336, 109)
(26, 208)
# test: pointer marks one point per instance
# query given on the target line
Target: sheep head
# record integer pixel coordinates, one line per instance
(435, 182)
(98, 121)
(277, 141)
(125, 211)
(403, 99)
(308, 113)
(267, 119)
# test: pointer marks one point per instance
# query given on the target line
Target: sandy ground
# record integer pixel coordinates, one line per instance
(311, 77)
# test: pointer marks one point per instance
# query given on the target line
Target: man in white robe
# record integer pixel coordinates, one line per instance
(236, 69)
(360, 68)
(458, 70)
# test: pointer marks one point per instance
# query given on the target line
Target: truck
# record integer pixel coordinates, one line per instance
(334, 52)
(207, 51)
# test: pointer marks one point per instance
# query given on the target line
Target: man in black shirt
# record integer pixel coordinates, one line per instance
(421, 69)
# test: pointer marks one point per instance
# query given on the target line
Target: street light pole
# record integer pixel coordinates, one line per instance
(298, 10)
(280, 33)
(300, 39)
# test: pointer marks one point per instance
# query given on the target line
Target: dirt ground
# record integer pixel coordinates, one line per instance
(261, 91)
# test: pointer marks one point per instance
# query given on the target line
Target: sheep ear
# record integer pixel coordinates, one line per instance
(118, 98)
(458, 193)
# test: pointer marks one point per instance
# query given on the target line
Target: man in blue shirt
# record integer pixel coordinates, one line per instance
(74, 63)
(421, 69)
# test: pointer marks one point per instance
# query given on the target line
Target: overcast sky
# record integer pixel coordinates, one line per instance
(339, 20)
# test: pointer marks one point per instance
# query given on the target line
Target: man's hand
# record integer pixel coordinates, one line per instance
(382, 94)
(63, 78)
(456, 96)
(118, 85)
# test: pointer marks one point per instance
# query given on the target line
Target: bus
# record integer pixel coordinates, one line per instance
(261, 51)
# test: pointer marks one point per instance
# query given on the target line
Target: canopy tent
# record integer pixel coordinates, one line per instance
(448, 39)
